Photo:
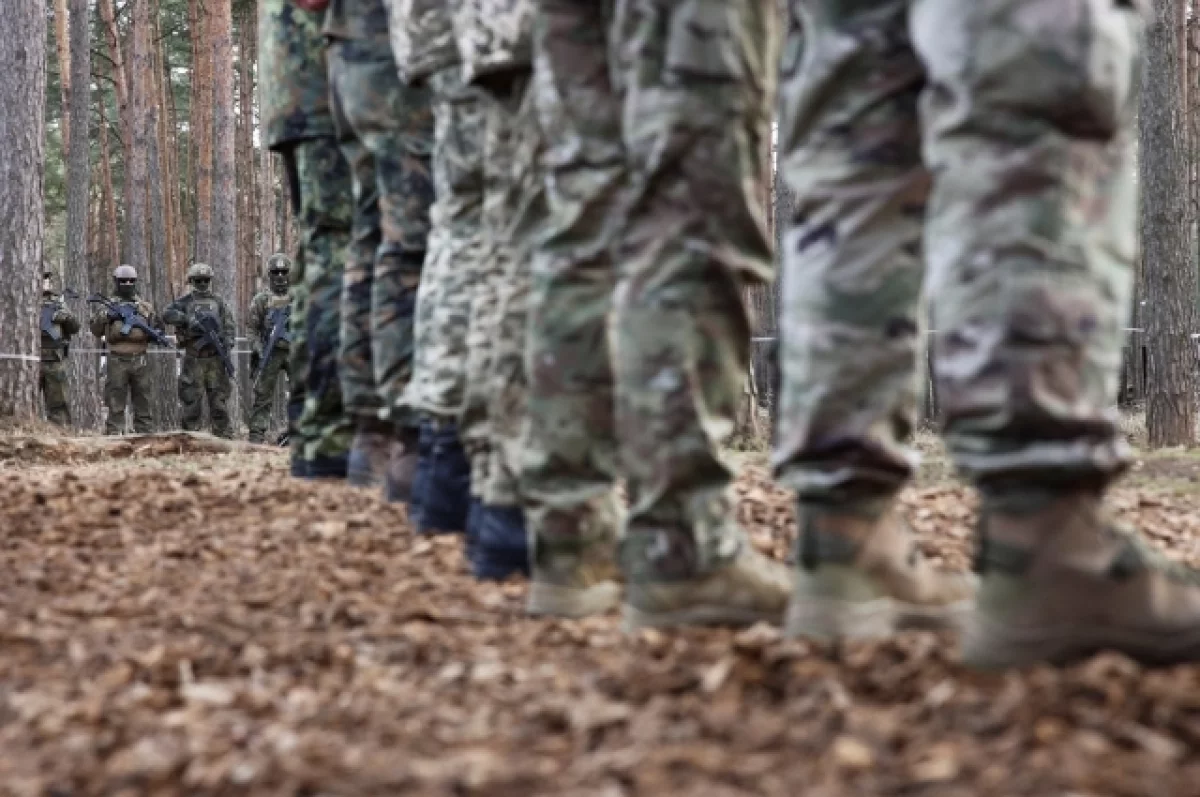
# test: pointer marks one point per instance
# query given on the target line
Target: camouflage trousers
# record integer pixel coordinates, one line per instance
(203, 378)
(52, 380)
(991, 139)
(496, 385)
(323, 220)
(657, 117)
(385, 130)
(127, 383)
(456, 247)
(264, 393)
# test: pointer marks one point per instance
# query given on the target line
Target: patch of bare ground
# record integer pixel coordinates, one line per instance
(197, 623)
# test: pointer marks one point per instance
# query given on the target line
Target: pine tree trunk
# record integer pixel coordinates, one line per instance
(1170, 276)
(203, 40)
(22, 122)
(223, 255)
(247, 200)
(82, 371)
(62, 38)
(111, 249)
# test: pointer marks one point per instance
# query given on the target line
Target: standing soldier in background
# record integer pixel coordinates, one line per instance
(270, 342)
(58, 326)
(295, 105)
(127, 377)
(425, 49)
(204, 327)
(657, 119)
(494, 42)
(385, 130)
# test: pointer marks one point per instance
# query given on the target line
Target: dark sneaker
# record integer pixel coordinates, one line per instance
(863, 577)
(1064, 581)
(500, 547)
(446, 484)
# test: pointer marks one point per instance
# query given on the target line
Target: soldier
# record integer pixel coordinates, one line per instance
(295, 97)
(425, 49)
(999, 134)
(58, 325)
(385, 130)
(267, 326)
(494, 42)
(657, 122)
(127, 378)
(205, 330)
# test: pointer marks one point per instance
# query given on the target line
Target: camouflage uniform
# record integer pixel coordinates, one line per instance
(299, 125)
(657, 118)
(385, 129)
(53, 376)
(263, 309)
(494, 39)
(994, 140)
(128, 378)
(203, 373)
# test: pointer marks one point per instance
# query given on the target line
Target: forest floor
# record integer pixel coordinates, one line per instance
(177, 619)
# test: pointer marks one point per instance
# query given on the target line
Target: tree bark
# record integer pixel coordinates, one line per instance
(111, 251)
(202, 127)
(1169, 273)
(62, 39)
(82, 372)
(23, 131)
(223, 254)
(247, 195)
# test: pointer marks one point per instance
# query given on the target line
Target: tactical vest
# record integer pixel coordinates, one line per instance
(54, 340)
(137, 341)
(276, 302)
(198, 306)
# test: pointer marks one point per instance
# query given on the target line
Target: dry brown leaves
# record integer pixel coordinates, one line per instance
(204, 625)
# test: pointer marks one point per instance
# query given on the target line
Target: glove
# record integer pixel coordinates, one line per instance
(113, 315)
(255, 359)
(61, 317)
(312, 5)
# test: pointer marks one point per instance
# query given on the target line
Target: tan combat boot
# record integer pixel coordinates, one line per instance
(747, 589)
(574, 574)
(863, 577)
(1063, 581)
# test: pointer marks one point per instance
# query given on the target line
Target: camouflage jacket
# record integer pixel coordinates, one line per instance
(257, 328)
(493, 36)
(422, 33)
(137, 341)
(292, 73)
(57, 318)
(187, 309)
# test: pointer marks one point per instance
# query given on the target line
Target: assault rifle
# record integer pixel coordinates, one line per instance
(278, 319)
(130, 320)
(210, 330)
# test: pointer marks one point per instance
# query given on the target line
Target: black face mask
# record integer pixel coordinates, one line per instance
(278, 280)
(126, 289)
(202, 285)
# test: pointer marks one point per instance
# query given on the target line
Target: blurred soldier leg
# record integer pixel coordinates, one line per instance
(217, 389)
(53, 382)
(680, 207)
(385, 129)
(326, 204)
(441, 488)
(191, 395)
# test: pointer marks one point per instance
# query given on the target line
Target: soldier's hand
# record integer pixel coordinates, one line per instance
(61, 317)
(113, 315)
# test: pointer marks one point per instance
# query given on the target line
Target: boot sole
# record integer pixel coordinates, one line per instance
(552, 600)
(830, 619)
(635, 619)
(991, 645)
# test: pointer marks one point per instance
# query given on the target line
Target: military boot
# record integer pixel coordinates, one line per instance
(500, 547)
(401, 471)
(1062, 581)
(574, 562)
(863, 577)
(744, 587)
(369, 453)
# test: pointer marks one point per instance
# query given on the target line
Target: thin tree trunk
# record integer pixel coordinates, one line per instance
(247, 199)
(108, 198)
(203, 38)
(82, 376)
(62, 38)
(23, 131)
(1170, 278)
(223, 255)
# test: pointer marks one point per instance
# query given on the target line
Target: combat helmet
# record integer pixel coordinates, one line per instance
(279, 267)
(125, 278)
